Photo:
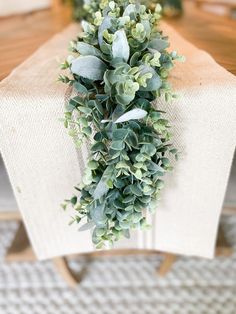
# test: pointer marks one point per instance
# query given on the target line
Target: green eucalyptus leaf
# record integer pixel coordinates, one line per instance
(158, 44)
(98, 215)
(74, 103)
(117, 145)
(88, 50)
(89, 225)
(80, 88)
(102, 187)
(120, 46)
(124, 224)
(149, 149)
(89, 67)
(132, 139)
(135, 57)
(136, 217)
(73, 200)
(99, 232)
(134, 114)
(106, 23)
(83, 121)
(98, 147)
(154, 83)
(155, 168)
(118, 204)
(129, 199)
(87, 27)
(87, 130)
(138, 174)
(160, 184)
(98, 136)
(122, 165)
(145, 199)
(140, 158)
(93, 164)
(85, 110)
(130, 9)
(120, 134)
(119, 183)
(136, 190)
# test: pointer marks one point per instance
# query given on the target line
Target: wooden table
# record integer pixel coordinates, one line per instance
(20, 36)
(212, 33)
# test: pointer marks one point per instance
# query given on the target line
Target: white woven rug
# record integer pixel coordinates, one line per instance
(120, 285)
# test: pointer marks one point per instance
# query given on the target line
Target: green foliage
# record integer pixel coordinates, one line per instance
(119, 66)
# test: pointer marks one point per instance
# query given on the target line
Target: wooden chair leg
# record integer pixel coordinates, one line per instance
(63, 268)
(167, 263)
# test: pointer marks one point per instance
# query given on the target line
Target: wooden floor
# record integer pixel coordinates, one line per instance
(20, 36)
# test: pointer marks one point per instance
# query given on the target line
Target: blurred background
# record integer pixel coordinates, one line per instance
(26, 24)
(134, 283)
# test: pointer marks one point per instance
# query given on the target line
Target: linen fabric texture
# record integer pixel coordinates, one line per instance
(43, 164)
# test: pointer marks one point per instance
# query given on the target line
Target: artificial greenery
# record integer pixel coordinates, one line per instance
(120, 65)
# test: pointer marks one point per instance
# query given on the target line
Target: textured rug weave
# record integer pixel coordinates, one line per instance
(120, 285)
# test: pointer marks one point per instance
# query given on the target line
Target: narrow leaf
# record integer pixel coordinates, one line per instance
(97, 214)
(106, 23)
(87, 226)
(100, 190)
(120, 46)
(85, 50)
(158, 44)
(133, 114)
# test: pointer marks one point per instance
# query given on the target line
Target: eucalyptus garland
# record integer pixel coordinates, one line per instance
(120, 65)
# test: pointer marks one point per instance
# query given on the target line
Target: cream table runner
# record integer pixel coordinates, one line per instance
(43, 164)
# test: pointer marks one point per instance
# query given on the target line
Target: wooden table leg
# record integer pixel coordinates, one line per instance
(223, 248)
(20, 249)
(63, 268)
(167, 263)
